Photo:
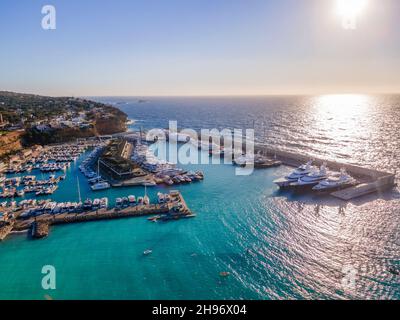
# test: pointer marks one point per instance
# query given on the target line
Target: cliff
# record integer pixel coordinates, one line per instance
(10, 143)
(29, 110)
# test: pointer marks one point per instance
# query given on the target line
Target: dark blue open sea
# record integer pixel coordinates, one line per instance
(274, 245)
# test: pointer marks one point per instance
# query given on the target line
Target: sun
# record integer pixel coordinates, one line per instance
(349, 11)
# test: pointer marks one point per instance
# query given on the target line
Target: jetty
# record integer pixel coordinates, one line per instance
(40, 226)
(370, 180)
(6, 229)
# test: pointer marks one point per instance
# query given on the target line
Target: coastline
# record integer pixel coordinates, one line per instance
(241, 222)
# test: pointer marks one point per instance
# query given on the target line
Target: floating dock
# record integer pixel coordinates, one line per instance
(371, 181)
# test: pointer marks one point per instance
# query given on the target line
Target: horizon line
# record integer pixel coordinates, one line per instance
(206, 95)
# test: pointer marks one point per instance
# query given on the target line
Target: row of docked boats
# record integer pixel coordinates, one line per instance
(256, 160)
(54, 166)
(61, 153)
(34, 208)
(19, 168)
(43, 167)
(30, 185)
(29, 181)
(164, 172)
(309, 177)
(96, 181)
(177, 209)
(38, 190)
(54, 158)
(178, 176)
(131, 201)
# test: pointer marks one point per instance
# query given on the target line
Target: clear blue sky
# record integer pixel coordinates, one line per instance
(198, 47)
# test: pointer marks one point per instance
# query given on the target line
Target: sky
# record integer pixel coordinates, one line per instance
(198, 47)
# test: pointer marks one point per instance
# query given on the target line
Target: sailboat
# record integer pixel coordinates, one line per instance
(100, 185)
(79, 194)
(146, 199)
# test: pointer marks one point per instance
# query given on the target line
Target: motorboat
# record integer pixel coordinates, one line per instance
(310, 180)
(146, 200)
(147, 252)
(161, 197)
(96, 203)
(337, 182)
(87, 205)
(298, 173)
(132, 200)
(104, 203)
(118, 202)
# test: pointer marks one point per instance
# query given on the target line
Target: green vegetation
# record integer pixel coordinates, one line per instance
(38, 115)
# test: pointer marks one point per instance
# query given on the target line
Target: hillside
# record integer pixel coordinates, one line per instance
(10, 142)
(40, 117)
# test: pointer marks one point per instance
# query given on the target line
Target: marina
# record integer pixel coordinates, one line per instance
(368, 180)
(39, 218)
(245, 227)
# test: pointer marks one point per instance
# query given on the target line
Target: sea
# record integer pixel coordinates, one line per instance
(274, 245)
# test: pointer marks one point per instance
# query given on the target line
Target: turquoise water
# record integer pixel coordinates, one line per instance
(244, 226)
(105, 260)
(275, 245)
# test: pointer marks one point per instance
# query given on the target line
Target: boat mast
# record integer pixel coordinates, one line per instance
(98, 170)
(79, 190)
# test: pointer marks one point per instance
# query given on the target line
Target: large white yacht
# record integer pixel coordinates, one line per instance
(312, 179)
(295, 175)
(336, 182)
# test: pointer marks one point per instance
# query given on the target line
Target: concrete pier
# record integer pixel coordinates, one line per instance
(371, 181)
(40, 225)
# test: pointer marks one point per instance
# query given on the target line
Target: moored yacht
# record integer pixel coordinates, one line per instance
(295, 175)
(104, 203)
(337, 182)
(146, 200)
(132, 200)
(310, 180)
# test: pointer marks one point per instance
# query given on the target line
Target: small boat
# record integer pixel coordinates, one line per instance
(167, 180)
(87, 205)
(224, 274)
(132, 200)
(100, 186)
(147, 252)
(154, 219)
(146, 200)
(161, 197)
(104, 203)
(96, 203)
(118, 202)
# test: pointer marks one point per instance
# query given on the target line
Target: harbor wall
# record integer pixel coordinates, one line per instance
(294, 160)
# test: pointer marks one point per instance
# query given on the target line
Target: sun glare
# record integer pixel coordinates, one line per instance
(349, 11)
